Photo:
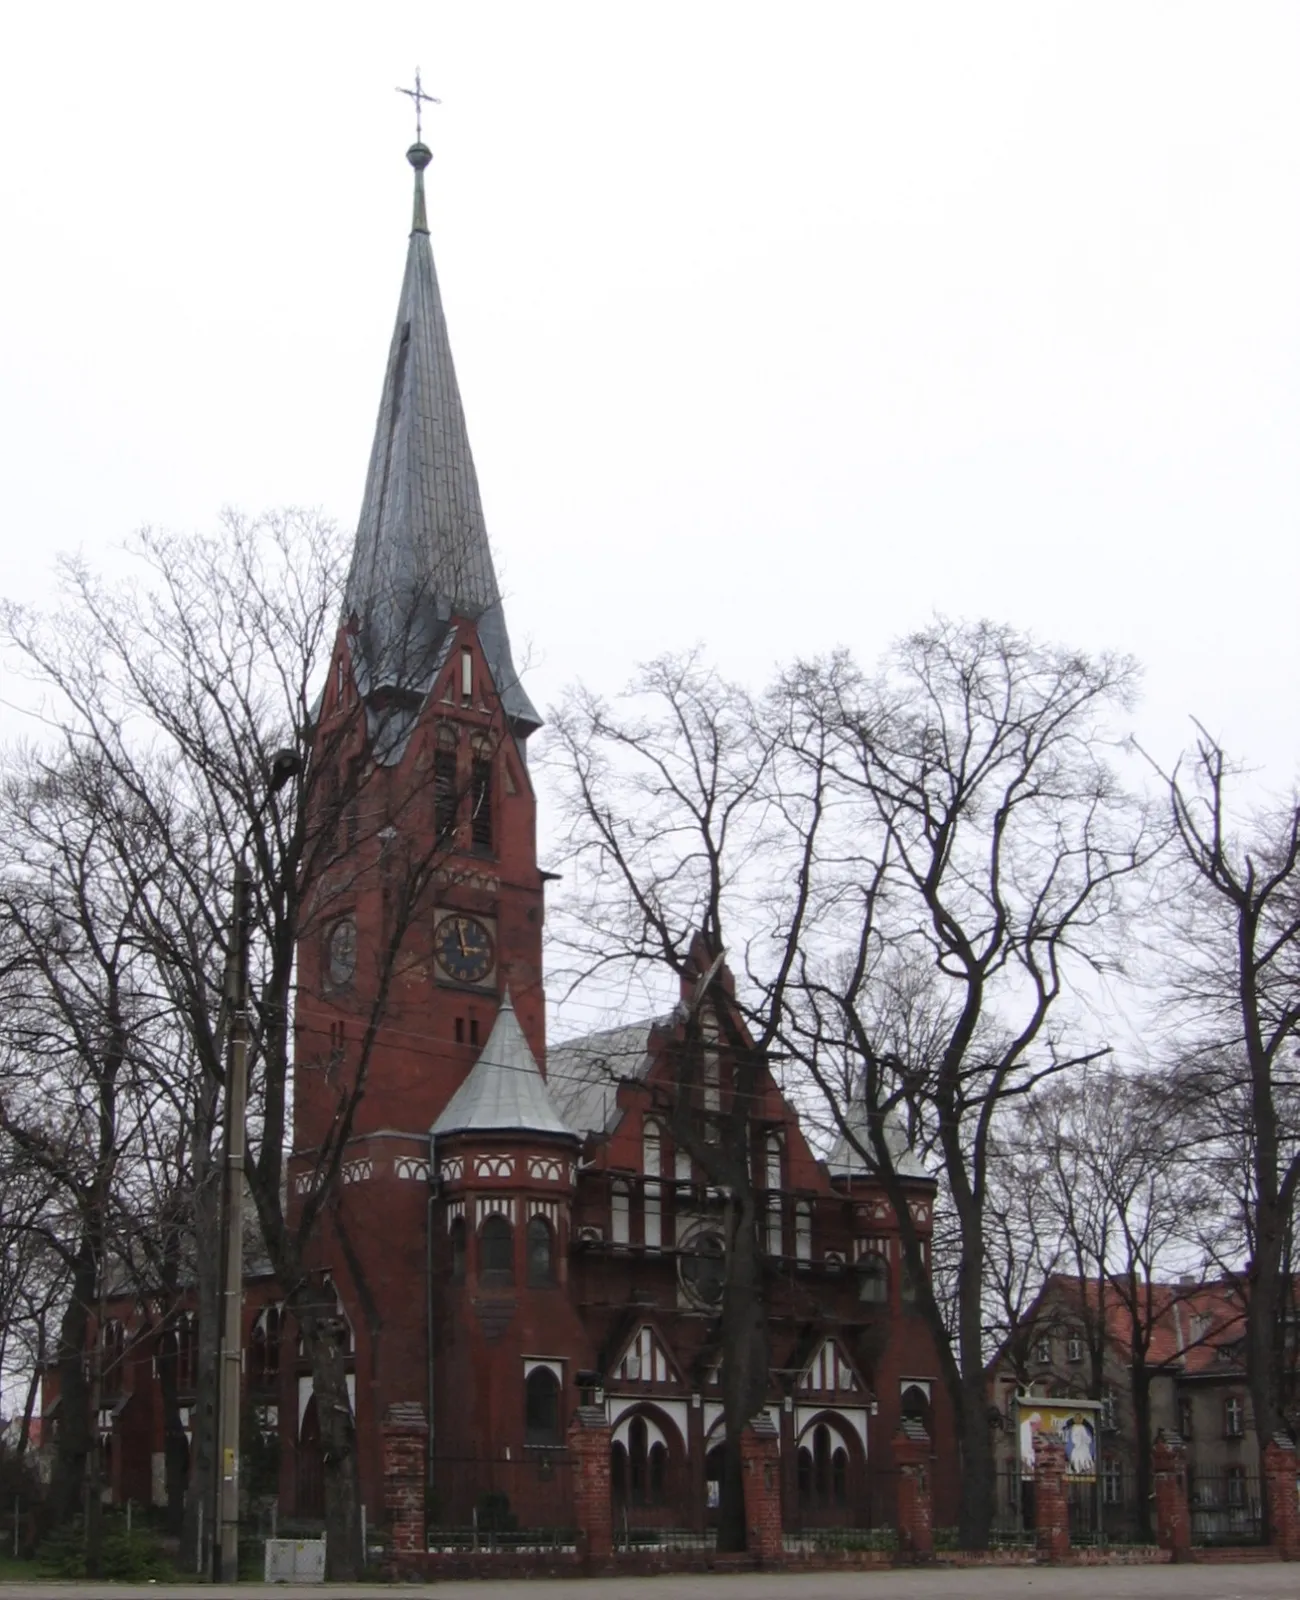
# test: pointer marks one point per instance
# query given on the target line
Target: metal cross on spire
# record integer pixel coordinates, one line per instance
(418, 96)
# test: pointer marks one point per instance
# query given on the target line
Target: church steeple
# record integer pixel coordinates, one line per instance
(421, 555)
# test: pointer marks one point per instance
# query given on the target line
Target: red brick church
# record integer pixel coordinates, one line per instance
(515, 1234)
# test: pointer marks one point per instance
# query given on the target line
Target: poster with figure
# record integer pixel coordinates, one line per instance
(1071, 1423)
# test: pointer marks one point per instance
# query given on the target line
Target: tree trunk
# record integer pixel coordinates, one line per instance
(324, 1333)
(200, 1495)
(1142, 1449)
(72, 1433)
(745, 1361)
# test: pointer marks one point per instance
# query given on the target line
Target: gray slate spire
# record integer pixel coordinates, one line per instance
(421, 553)
(505, 1093)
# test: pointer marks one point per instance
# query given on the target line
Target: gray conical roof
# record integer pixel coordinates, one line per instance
(421, 554)
(505, 1092)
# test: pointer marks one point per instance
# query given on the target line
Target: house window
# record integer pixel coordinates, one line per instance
(1074, 1348)
(1043, 1352)
(541, 1407)
(1234, 1417)
(803, 1231)
(1112, 1481)
(496, 1249)
(1110, 1410)
(1185, 1416)
(1236, 1485)
(541, 1254)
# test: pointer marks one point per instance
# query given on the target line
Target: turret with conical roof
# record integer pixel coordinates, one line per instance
(422, 555)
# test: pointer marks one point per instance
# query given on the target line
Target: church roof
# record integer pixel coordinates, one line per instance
(505, 1092)
(845, 1160)
(421, 554)
(584, 1074)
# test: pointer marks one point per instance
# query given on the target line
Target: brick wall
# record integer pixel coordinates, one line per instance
(1283, 1489)
(915, 1513)
(1051, 1509)
(1173, 1517)
(761, 1467)
(405, 1436)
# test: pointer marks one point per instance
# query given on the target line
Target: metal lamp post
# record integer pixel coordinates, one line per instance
(285, 764)
(225, 1544)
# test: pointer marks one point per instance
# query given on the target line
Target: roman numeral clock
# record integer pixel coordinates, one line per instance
(465, 949)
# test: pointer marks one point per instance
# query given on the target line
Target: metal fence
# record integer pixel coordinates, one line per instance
(1226, 1507)
(502, 1496)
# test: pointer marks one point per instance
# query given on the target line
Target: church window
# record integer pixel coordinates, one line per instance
(460, 1030)
(803, 1231)
(1234, 1417)
(496, 1245)
(457, 1235)
(467, 675)
(873, 1280)
(481, 799)
(541, 1253)
(264, 1346)
(840, 1476)
(651, 1161)
(1112, 1480)
(682, 1168)
(473, 1030)
(703, 1268)
(541, 1407)
(774, 1160)
(907, 1286)
(444, 794)
(1185, 1416)
(618, 1213)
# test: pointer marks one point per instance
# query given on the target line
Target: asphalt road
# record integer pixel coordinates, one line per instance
(1271, 1581)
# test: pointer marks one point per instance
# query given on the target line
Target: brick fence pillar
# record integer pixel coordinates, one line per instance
(1051, 1509)
(761, 1467)
(589, 1445)
(915, 1514)
(1173, 1515)
(1283, 1493)
(405, 1438)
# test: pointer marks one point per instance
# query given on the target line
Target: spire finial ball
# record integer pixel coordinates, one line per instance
(419, 155)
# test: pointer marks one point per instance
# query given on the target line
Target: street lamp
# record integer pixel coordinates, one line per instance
(285, 764)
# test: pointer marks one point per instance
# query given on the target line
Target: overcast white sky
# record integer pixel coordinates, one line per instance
(779, 326)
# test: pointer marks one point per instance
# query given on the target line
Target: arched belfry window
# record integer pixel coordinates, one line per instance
(540, 1243)
(445, 785)
(496, 1252)
(480, 794)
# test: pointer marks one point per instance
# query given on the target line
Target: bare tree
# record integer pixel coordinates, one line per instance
(918, 868)
(664, 809)
(984, 845)
(1133, 1206)
(1234, 977)
(199, 684)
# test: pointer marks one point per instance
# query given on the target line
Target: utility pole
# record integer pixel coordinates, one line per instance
(230, 1367)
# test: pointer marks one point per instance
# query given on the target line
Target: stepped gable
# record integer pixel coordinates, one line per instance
(504, 1092)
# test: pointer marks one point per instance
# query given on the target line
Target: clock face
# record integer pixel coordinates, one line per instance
(464, 949)
(341, 952)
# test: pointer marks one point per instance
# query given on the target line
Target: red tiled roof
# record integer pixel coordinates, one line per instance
(1188, 1323)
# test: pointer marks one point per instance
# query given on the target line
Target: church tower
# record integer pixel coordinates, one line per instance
(420, 965)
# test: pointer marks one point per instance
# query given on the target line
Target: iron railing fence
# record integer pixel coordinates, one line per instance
(1226, 1506)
